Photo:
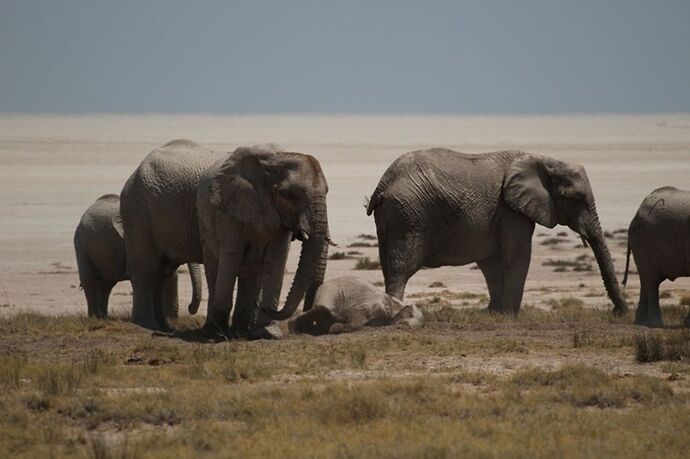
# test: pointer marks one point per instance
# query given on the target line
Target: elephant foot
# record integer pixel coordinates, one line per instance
(619, 311)
(213, 332)
(146, 322)
(270, 331)
(652, 322)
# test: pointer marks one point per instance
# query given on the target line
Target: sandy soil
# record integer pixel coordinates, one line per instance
(53, 167)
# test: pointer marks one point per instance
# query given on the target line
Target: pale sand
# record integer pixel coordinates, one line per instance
(53, 167)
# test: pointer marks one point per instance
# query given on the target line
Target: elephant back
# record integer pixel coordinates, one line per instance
(160, 199)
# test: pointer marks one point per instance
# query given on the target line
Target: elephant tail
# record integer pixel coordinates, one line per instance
(627, 264)
(376, 197)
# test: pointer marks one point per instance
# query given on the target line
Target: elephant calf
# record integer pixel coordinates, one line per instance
(659, 239)
(100, 250)
(347, 304)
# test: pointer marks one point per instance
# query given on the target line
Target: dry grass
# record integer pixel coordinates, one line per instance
(672, 345)
(367, 264)
(107, 389)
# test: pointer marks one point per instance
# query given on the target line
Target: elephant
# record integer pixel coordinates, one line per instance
(247, 204)
(102, 261)
(659, 239)
(439, 207)
(250, 205)
(347, 304)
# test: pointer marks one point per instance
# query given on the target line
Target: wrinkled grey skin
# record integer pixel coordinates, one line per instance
(158, 210)
(439, 207)
(102, 262)
(250, 205)
(347, 304)
(659, 238)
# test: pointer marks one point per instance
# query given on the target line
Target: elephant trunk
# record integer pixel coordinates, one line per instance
(195, 275)
(596, 239)
(312, 263)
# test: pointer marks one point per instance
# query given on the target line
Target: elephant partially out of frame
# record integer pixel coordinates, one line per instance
(100, 248)
(659, 239)
(234, 212)
(347, 304)
(439, 207)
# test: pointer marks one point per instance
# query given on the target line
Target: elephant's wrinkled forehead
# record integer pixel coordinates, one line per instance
(303, 165)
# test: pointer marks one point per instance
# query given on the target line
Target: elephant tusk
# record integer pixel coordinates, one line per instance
(331, 243)
(304, 235)
(584, 241)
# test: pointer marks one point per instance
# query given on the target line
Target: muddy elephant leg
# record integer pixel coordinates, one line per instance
(493, 274)
(642, 314)
(654, 318)
(400, 259)
(104, 289)
(91, 293)
(170, 296)
(243, 317)
(220, 304)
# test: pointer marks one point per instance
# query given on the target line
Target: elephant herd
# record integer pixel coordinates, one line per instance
(237, 214)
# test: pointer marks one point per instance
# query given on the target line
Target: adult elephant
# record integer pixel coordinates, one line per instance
(100, 249)
(250, 205)
(162, 226)
(659, 238)
(440, 207)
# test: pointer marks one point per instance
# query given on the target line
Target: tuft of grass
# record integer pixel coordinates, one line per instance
(665, 294)
(367, 264)
(378, 284)
(654, 347)
(366, 237)
(59, 379)
(553, 241)
(11, 368)
(567, 302)
(358, 357)
(340, 256)
(437, 284)
(583, 386)
(362, 244)
(684, 300)
(579, 264)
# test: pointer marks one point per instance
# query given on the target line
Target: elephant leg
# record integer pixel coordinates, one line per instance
(159, 301)
(641, 314)
(272, 276)
(91, 294)
(686, 322)
(243, 317)
(220, 304)
(211, 272)
(144, 270)
(104, 289)
(493, 274)
(516, 251)
(653, 310)
(400, 258)
(514, 279)
(169, 296)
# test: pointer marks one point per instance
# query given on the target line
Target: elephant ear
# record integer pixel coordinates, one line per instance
(526, 187)
(241, 189)
(116, 221)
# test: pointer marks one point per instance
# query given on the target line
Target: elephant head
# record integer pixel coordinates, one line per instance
(272, 191)
(551, 192)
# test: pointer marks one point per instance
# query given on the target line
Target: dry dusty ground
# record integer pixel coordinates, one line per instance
(546, 384)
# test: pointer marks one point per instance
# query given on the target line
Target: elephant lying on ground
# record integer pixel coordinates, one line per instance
(236, 213)
(439, 207)
(659, 239)
(101, 259)
(347, 304)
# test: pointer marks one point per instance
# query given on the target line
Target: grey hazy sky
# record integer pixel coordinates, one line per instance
(353, 56)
